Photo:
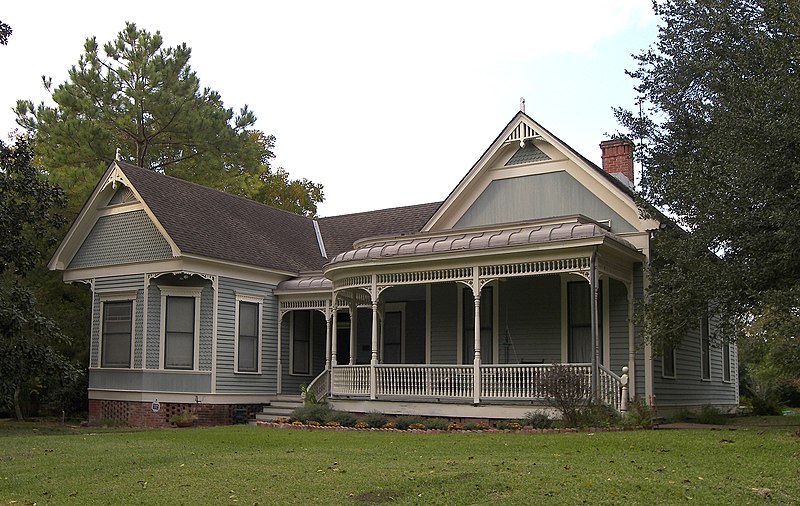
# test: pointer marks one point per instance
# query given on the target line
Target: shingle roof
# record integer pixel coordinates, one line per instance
(340, 232)
(207, 222)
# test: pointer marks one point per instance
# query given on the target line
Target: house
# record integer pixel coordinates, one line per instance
(455, 308)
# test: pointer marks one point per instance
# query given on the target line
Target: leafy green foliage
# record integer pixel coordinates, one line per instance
(720, 151)
(145, 99)
(538, 420)
(28, 361)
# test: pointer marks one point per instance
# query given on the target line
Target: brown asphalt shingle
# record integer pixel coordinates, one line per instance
(207, 222)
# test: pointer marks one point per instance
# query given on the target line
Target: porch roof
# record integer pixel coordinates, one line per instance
(564, 229)
(306, 283)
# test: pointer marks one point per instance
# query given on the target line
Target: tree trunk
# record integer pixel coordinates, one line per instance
(17, 407)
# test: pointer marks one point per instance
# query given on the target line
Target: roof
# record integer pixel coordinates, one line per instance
(210, 223)
(523, 234)
(341, 232)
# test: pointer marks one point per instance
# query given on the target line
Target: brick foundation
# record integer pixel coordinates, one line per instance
(140, 414)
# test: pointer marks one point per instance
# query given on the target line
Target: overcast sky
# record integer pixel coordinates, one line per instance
(385, 104)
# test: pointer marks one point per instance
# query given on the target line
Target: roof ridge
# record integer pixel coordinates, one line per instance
(379, 210)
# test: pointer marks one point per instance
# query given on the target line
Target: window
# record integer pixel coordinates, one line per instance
(302, 329)
(180, 327)
(668, 362)
(726, 361)
(705, 350)
(248, 333)
(579, 321)
(117, 333)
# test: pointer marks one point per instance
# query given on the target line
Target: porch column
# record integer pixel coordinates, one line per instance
(476, 366)
(373, 361)
(593, 288)
(353, 315)
(327, 336)
(373, 379)
(335, 310)
(280, 362)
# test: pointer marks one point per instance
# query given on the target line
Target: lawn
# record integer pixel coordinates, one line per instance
(248, 465)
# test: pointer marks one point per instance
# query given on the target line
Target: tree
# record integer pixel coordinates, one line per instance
(720, 152)
(27, 225)
(146, 100)
(5, 33)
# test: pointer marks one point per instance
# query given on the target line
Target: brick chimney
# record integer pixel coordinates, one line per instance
(618, 158)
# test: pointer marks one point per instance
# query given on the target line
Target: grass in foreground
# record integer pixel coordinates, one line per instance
(247, 465)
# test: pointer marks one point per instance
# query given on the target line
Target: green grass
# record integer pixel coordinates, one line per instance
(247, 465)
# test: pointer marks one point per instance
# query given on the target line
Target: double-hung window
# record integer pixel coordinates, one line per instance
(668, 361)
(705, 350)
(302, 330)
(248, 334)
(180, 324)
(117, 331)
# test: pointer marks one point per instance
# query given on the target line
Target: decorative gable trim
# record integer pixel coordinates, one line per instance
(96, 207)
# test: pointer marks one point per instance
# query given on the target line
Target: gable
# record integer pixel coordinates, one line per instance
(121, 238)
(539, 196)
(528, 173)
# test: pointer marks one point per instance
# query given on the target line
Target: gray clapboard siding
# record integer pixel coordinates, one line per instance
(122, 238)
(618, 325)
(227, 380)
(536, 197)
(444, 323)
(639, 359)
(150, 381)
(688, 388)
(530, 315)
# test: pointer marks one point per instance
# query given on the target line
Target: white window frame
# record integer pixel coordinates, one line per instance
(674, 359)
(259, 301)
(180, 291)
(310, 345)
(126, 296)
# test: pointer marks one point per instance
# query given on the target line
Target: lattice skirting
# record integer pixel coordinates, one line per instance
(141, 414)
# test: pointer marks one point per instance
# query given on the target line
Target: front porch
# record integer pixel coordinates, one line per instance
(506, 384)
(402, 324)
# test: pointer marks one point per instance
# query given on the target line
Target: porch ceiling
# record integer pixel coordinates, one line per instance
(568, 229)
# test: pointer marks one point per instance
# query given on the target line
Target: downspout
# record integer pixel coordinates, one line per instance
(593, 284)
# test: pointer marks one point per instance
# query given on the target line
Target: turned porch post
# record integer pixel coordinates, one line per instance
(335, 309)
(594, 292)
(327, 336)
(476, 366)
(280, 351)
(373, 362)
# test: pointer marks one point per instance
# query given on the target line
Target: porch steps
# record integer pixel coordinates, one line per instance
(282, 405)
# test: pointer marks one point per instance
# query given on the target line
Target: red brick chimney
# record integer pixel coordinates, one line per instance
(618, 157)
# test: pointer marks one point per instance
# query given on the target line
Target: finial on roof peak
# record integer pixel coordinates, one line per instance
(118, 155)
(522, 104)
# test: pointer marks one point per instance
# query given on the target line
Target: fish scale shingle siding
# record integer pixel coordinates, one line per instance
(122, 238)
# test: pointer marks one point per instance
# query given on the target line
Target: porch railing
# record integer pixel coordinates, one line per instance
(513, 382)
(320, 387)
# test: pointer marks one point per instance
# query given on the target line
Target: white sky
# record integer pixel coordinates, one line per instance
(385, 104)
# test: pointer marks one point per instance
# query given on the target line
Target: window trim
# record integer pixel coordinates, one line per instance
(123, 296)
(179, 291)
(310, 345)
(674, 359)
(259, 301)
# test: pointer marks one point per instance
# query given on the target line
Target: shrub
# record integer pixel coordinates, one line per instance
(403, 422)
(375, 419)
(476, 426)
(281, 419)
(538, 420)
(711, 415)
(454, 426)
(361, 425)
(389, 425)
(566, 389)
(316, 412)
(436, 423)
(417, 426)
(509, 425)
(597, 415)
(343, 418)
(639, 414)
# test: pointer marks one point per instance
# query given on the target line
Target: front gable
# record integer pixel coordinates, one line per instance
(528, 174)
(114, 227)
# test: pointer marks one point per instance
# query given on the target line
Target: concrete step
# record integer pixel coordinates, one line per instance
(281, 406)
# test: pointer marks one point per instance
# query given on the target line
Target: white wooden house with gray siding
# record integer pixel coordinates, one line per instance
(453, 308)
